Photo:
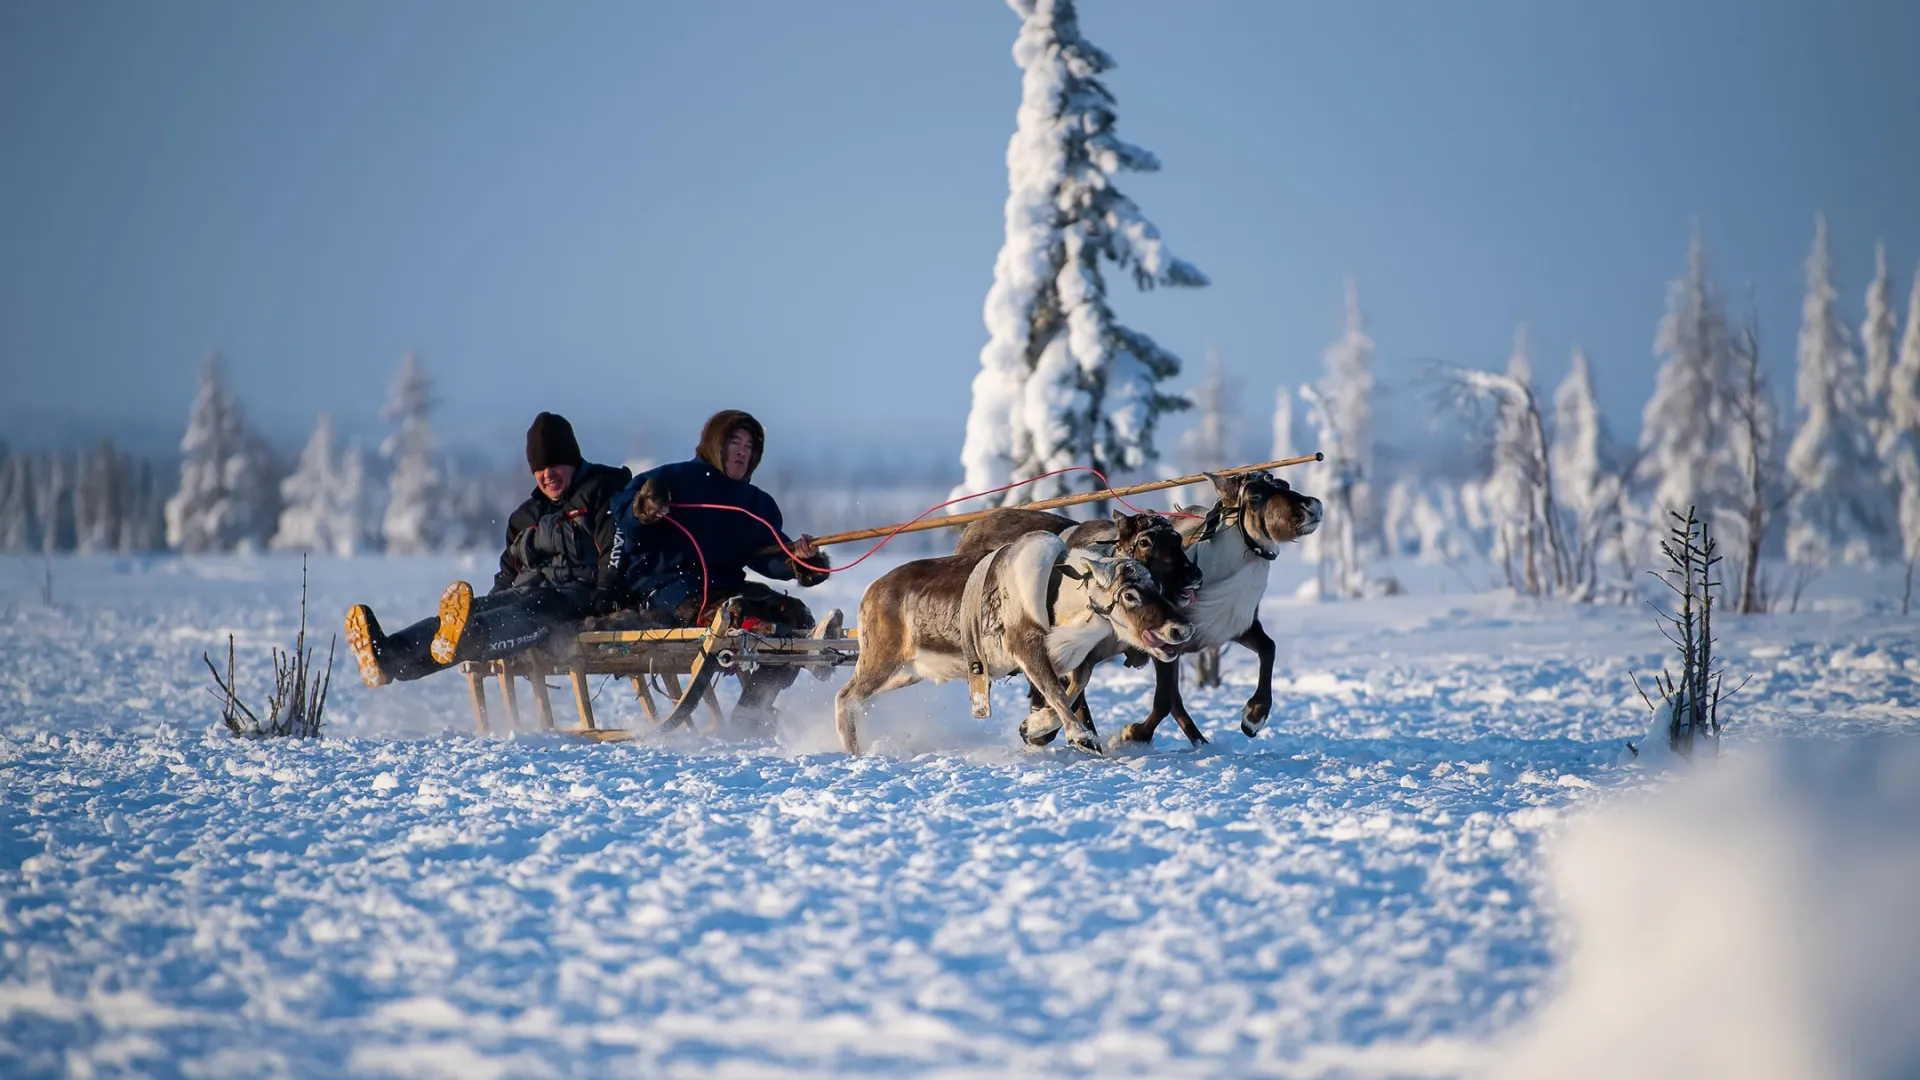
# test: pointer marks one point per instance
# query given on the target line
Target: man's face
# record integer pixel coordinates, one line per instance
(739, 455)
(554, 480)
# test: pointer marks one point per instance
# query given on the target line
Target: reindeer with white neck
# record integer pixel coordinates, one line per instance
(1032, 606)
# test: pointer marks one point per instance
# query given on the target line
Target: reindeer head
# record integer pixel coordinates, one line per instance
(1270, 512)
(1122, 591)
(1152, 540)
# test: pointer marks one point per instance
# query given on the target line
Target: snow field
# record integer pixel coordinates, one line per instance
(1364, 890)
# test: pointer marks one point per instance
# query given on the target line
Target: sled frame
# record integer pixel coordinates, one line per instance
(672, 671)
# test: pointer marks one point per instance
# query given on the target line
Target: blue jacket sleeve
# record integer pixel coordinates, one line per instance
(771, 561)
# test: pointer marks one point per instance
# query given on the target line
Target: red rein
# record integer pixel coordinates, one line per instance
(701, 555)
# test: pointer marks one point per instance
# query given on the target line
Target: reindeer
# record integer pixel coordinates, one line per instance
(1030, 606)
(1234, 546)
(1145, 538)
(1149, 539)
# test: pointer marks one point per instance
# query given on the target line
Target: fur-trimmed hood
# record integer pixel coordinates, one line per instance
(719, 428)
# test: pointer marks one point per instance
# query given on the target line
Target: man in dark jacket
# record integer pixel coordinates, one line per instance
(558, 543)
(668, 557)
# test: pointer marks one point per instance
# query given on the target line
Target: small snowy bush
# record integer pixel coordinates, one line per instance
(298, 702)
(1688, 712)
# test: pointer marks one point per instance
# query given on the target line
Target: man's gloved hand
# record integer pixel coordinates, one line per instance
(650, 502)
(609, 597)
(805, 550)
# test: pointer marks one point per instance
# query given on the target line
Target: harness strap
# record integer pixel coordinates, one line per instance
(979, 681)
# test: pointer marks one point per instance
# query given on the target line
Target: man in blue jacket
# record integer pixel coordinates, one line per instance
(666, 567)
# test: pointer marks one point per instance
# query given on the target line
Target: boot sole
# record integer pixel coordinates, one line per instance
(455, 605)
(360, 643)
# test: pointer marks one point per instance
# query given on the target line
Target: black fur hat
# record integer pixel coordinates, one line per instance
(550, 442)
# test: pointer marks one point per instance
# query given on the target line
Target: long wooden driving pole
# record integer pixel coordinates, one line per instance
(951, 520)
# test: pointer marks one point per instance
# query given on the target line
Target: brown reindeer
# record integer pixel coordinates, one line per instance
(1042, 610)
(1234, 547)
(1147, 538)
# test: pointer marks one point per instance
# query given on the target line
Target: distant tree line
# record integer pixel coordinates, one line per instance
(1562, 508)
(232, 492)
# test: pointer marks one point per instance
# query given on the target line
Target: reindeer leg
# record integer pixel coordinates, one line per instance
(1178, 705)
(1166, 686)
(1036, 705)
(1260, 705)
(869, 681)
(1029, 649)
(1077, 693)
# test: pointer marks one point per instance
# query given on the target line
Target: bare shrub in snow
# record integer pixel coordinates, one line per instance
(298, 704)
(1688, 712)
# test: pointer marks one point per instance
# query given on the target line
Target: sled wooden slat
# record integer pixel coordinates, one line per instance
(647, 704)
(477, 686)
(582, 699)
(506, 691)
(542, 703)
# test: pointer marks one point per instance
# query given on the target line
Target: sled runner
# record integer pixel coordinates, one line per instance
(672, 670)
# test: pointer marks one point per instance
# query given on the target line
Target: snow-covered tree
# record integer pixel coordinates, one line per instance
(1517, 497)
(19, 521)
(324, 500)
(99, 499)
(1837, 506)
(143, 517)
(1900, 439)
(1876, 336)
(1061, 382)
(1203, 447)
(1753, 436)
(414, 519)
(1283, 445)
(1683, 452)
(1341, 410)
(53, 504)
(1423, 519)
(1585, 475)
(228, 496)
(1334, 547)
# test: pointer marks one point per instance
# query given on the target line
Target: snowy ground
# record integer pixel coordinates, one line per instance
(1367, 889)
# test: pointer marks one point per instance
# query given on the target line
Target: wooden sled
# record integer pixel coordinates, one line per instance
(685, 661)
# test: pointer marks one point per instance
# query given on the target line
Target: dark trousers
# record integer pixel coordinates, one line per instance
(500, 623)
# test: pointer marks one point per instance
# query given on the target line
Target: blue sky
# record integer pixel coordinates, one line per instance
(637, 213)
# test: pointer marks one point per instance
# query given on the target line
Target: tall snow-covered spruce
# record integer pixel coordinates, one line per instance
(325, 498)
(1900, 439)
(1836, 510)
(1061, 382)
(1341, 407)
(1684, 459)
(228, 498)
(413, 520)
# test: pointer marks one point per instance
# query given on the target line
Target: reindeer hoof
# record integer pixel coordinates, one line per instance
(1198, 740)
(1037, 738)
(1140, 732)
(1089, 743)
(1254, 717)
